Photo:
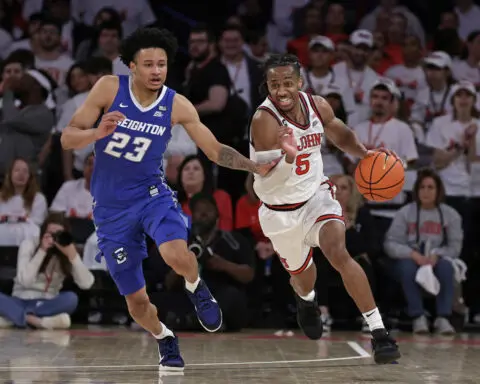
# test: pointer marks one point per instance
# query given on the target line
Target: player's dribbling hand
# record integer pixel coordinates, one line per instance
(108, 124)
(389, 152)
(288, 143)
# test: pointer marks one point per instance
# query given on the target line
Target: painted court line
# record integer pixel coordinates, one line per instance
(357, 348)
(119, 367)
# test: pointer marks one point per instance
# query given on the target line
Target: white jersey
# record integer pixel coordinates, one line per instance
(307, 172)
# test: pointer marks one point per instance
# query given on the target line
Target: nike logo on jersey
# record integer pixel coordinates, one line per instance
(123, 105)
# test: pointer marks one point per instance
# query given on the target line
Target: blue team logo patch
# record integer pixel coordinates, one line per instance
(120, 255)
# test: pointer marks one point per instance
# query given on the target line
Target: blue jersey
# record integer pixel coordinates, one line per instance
(128, 163)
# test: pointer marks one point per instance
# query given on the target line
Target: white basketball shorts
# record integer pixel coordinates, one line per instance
(294, 228)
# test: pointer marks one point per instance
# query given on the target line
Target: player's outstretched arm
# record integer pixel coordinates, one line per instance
(184, 113)
(79, 132)
(337, 132)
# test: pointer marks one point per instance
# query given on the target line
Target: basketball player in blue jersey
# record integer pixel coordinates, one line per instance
(130, 194)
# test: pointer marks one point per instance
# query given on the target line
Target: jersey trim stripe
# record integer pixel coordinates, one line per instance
(285, 207)
(314, 107)
(273, 114)
(304, 265)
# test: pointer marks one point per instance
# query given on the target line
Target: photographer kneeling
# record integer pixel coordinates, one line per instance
(42, 266)
(226, 262)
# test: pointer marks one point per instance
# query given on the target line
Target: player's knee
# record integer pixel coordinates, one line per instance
(336, 253)
(137, 304)
(176, 254)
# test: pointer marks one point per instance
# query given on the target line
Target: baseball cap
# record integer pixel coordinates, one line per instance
(439, 59)
(464, 85)
(324, 41)
(388, 84)
(362, 36)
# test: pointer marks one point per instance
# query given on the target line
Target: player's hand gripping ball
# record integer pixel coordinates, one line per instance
(380, 176)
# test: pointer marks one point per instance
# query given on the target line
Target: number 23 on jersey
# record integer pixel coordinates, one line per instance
(116, 147)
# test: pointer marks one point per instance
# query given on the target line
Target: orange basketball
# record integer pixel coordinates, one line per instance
(380, 177)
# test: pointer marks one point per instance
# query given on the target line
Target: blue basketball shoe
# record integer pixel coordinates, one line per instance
(209, 313)
(170, 359)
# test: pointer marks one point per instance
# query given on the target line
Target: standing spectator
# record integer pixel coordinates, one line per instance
(359, 75)
(426, 232)
(409, 76)
(456, 131)
(193, 178)
(22, 207)
(383, 130)
(32, 38)
(389, 7)
(42, 266)
(468, 69)
(49, 54)
(432, 101)
(335, 24)
(468, 15)
(312, 27)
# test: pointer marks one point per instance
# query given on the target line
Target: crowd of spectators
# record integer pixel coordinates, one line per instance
(398, 83)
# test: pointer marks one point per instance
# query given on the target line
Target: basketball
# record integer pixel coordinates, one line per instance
(380, 177)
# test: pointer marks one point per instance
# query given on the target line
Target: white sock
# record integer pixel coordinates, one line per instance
(192, 286)
(309, 297)
(373, 319)
(165, 333)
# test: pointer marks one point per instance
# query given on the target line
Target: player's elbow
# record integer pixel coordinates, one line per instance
(65, 139)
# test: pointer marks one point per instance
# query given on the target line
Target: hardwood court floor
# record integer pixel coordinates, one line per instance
(115, 355)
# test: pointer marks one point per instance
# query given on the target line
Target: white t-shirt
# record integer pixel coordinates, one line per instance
(57, 68)
(73, 199)
(475, 166)
(443, 133)
(12, 234)
(461, 70)
(409, 80)
(360, 82)
(394, 135)
(468, 22)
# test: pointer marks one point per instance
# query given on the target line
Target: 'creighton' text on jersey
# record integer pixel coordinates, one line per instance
(128, 163)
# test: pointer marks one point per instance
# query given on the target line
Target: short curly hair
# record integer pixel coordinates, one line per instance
(144, 38)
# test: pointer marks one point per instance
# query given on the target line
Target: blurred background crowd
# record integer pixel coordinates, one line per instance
(418, 250)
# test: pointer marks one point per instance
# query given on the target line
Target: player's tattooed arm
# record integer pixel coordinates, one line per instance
(184, 113)
(337, 132)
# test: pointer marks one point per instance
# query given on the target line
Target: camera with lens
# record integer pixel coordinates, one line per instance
(200, 251)
(63, 238)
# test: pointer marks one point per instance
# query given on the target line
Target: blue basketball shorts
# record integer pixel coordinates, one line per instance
(121, 237)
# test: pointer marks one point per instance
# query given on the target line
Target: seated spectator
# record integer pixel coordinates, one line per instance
(42, 266)
(15, 66)
(194, 177)
(74, 198)
(426, 232)
(25, 131)
(22, 207)
(74, 160)
(358, 240)
(227, 266)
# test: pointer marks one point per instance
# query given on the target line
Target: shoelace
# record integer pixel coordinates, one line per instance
(204, 299)
(169, 347)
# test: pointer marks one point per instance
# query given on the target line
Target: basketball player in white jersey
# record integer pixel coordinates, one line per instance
(299, 209)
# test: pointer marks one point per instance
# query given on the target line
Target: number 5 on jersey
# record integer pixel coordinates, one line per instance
(120, 140)
(302, 164)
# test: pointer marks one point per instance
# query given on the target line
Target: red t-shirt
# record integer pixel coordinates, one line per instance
(246, 216)
(224, 204)
(299, 48)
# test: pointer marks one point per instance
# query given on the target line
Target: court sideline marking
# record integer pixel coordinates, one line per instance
(362, 354)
